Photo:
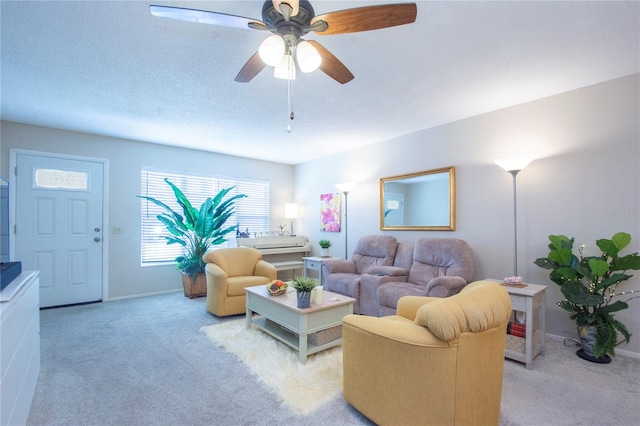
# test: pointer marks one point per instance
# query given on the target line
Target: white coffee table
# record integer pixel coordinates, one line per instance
(281, 318)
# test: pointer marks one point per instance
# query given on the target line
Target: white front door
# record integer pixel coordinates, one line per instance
(59, 226)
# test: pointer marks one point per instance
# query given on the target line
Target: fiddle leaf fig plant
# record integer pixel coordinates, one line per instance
(590, 285)
(196, 229)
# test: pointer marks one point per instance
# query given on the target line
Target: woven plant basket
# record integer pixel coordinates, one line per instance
(194, 289)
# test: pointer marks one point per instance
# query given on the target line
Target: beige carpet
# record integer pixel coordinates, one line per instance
(301, 387)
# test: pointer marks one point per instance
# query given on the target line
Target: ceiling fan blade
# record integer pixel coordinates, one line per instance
(205, 17)
(367, 18)
(253, 66)
(331, 65)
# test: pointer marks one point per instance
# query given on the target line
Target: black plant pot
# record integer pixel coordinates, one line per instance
(602, 360)
(588, 334)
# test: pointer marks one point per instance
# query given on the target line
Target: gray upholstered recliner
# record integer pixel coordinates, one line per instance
(343, 276)
(441, 267)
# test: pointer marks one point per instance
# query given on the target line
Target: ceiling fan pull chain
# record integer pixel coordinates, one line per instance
(290, 103)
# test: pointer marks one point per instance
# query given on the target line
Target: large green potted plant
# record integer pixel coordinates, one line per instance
(590, 285)
(197, 230)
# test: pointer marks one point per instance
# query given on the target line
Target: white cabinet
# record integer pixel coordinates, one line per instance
(528, 305)
(19, 347)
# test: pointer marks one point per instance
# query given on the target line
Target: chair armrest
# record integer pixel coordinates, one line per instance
(409, 305)
(399, 331)
(265, 269)
(393, 271)
(445, 286)
(338, 265)
(215, 272)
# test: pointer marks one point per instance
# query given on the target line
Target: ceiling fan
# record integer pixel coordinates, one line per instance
(289, 21)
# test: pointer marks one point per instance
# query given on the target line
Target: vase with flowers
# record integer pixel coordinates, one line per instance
(592, 291)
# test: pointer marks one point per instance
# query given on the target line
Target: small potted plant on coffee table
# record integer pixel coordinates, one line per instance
(303, 287)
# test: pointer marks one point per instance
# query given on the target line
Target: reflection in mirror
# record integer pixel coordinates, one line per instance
(419, 201)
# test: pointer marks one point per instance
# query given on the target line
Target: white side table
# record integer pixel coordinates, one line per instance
(529, 303)
(314, 263)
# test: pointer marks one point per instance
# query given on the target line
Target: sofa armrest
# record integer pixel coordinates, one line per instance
(408, 305)
(393, 271)
(369, 284)
(338, 265)
(266, 269)
(445, 286)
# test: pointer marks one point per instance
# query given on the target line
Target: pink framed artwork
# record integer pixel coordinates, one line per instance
(330, 212)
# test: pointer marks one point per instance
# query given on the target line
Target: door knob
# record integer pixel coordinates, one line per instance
(96, 239)
(97, 229)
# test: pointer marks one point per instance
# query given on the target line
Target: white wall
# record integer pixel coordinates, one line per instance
(126, 159)
(584, 182)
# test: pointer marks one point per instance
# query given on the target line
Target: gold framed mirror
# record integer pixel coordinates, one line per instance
(421, 201)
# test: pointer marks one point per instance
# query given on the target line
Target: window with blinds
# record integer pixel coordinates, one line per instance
(251, 213)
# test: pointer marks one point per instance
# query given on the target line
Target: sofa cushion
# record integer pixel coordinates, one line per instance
(404, 256)
(389, 293)
(373, 250)
(437, 257)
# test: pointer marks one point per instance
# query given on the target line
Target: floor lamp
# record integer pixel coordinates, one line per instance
(291, 212)
(514, 166)
(345, 188)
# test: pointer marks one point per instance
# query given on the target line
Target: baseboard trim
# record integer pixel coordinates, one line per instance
(136, 296)
(621, 352)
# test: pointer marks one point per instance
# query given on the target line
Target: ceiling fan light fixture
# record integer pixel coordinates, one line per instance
(272, 50)
(286, 69)
(308, 57)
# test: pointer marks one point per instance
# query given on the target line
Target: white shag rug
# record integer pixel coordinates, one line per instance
(302, 387)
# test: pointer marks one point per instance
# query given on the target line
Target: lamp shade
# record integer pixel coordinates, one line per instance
(286, 69)
(272, 50)
(513, 164)
(345, 187)
(291, 211)
(308, 57)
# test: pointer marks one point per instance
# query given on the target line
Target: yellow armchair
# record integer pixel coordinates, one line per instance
(228, 272)
(438, 361)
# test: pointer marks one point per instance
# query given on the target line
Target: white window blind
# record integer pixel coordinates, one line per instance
(251, 212)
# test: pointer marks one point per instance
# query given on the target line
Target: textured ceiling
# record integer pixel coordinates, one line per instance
(111, 68)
